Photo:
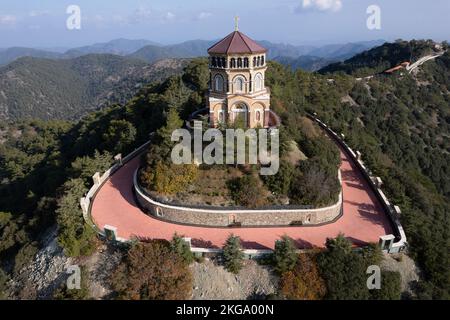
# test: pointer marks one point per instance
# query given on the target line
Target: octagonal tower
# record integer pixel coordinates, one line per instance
(237, 91)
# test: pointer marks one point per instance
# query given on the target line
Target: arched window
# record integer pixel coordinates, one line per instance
(245, 62)
(224, 62)
(239, 84)
(254, 61)
(233, 62)
(221, 116)
(259, 82)
(239, 63)
(262, 60)
(258, 61)
(213, 62)
(218, 83)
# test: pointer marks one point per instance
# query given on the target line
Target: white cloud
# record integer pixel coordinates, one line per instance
(204, 15)
(169, 16)
(319, 5)
(117, 18)
(36, 13)
(8, 20)
(141, 14)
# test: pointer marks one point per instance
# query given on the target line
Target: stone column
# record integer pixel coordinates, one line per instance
(96, 178)
(212, 119)
(378, 182)
(110, 232)
(358, 155)
(266, 118)
(386, 242)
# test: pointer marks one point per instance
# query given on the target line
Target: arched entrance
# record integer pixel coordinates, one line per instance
(239, 113)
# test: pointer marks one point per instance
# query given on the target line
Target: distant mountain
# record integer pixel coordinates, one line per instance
(278, 51)
(285, 50)
(344, 51)
(150, 51)
(188, 49)
(120, 47)
(11, 54)
(307, 63)
(69, 88)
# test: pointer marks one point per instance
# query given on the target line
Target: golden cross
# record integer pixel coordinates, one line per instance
(236, 23)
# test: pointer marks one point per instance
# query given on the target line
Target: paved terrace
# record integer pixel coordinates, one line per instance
(363, 219)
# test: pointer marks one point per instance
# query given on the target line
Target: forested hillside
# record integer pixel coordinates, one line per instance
(70, 88)
(401, 126)
(307, 63)
(400, 123)
(383, 57)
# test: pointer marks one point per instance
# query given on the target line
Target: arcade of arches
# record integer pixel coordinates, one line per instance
(237, 91)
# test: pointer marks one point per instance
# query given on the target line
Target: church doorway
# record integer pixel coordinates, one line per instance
(240, 115)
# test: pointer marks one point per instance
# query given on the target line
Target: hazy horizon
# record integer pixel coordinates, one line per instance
(64, 49)
(299, 22)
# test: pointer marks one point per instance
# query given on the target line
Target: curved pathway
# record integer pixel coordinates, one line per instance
(363, 218)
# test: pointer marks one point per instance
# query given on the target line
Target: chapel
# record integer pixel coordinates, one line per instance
(237, 91)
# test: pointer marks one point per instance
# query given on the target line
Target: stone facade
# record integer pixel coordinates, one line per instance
(237, 82)
(235, 217)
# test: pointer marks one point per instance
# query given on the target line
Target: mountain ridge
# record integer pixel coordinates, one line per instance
(148, 50)
(68, 88)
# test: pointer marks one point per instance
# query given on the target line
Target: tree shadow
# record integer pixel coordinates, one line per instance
(202, 243)
(373, 217)
(304, 244)
(357, 242)
(355, 185)
(350, 175)
(122, 181)
(253, 245)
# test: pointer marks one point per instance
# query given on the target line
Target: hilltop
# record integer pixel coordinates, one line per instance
(399, 122)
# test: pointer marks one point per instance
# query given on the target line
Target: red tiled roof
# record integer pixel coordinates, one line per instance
(236, 42)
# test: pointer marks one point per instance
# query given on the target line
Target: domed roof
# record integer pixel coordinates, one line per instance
(236, 43)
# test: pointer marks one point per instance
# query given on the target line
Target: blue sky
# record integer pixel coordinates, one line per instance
(43, 23)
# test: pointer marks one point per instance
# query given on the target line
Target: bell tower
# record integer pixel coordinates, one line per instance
(237, 92)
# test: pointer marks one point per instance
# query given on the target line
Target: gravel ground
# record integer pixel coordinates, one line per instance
(45, 273)
(406, 266)
(100, 267)
(214, 282)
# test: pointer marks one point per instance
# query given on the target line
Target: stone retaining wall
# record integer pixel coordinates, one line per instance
(234, 216)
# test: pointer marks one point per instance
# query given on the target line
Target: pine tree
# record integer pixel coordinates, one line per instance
(285, 256)
(232, 254)
(180, 247)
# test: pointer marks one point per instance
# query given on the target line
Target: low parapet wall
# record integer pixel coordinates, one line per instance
(99, 180)
(393, 211)
(229, 217)
(390, 243)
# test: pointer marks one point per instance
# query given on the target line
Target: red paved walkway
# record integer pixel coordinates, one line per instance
(363, 220)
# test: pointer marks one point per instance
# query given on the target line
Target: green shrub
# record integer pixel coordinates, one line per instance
(233, 255)
(285, 255)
